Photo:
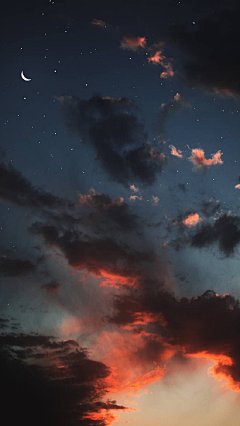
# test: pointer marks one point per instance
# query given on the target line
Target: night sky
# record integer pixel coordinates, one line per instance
(120, 213)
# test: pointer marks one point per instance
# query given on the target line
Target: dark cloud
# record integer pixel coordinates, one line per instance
(16, 189)
(103, 213)
(101, 257)
(168, 110)
(15, 267)
(45, 381)
(182, 187)
(117, 135)
(115, 213)
(206, 326)
(4, 323)
(211, 47)
(51, 287)
(225, 231)
(210, 208)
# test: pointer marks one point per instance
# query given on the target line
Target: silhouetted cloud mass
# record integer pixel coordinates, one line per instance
(52, 382)
(117, 135)
(213, 62)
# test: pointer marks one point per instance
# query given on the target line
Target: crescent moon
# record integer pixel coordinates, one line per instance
(25, 78)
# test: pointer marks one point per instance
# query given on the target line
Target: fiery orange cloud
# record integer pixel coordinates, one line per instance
(102, 416)
(133, 42)
(116, 280)
(174, 151)
(148, 378)
(99, 23)
(192, 220)
(220, 370)
(199, 160)
(130, 371)
(237, 186)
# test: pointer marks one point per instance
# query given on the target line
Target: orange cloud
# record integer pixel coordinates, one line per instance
(199, 160)
(134, 188)
(134, 198)
(116, 280)
(174, 151)
(148, 378)
(130, 369)
(70, 326)
(237, 186)
(102, 416)
(192, 220)
(133, 42)
(159, 59)
(221, 370)
(177, 97)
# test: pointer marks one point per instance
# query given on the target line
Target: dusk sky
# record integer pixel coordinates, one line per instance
(120, 213)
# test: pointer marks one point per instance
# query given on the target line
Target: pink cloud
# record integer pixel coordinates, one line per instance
(134, 188)
(174, 151)
(199, 160)
(192, 220)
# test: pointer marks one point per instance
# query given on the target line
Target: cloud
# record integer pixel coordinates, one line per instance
(133, 42)
(198, 158)
(166, 65)
(211, 207)
(116, 264)
(205, 327)
(167, 110)
(192, 220)
(18, 190)
(182, 187)
(99, 23)
(108, 210)
(157, 58)
(117, 135)
(212, 61)
(134, 188)
(135, 197)
(15, 267)
(61, 383)
(155, 200)
(51, 287)
(103, 212)
(175, 152)
(225, 231)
